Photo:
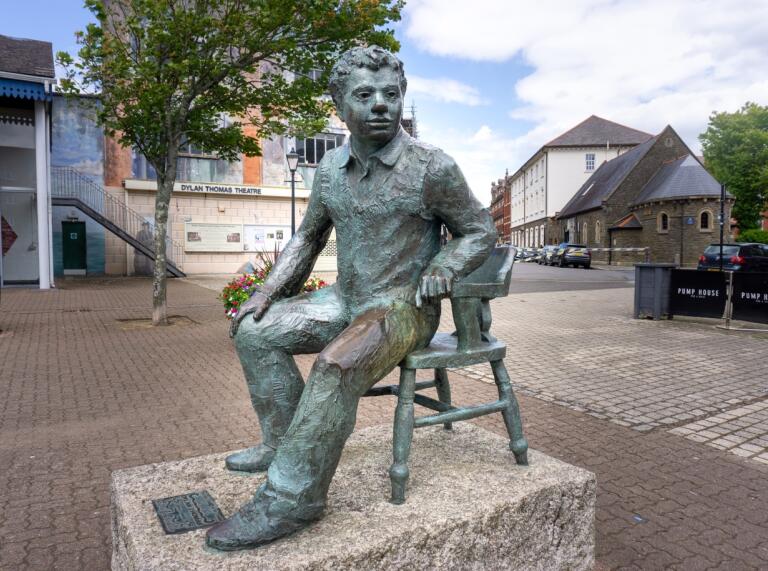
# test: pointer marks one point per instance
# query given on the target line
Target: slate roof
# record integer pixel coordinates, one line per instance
(605, 180)
(677, 179)
(629, 222)
(596, 131)
(28, 57)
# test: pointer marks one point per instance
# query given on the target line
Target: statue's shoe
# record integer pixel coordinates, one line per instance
(255, 459)
(262, 520)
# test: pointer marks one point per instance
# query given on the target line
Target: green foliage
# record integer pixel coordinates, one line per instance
(167, 70)
(735, 149)
(754, 235)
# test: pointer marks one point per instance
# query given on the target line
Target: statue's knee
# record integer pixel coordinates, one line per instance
(334, 361)
(250, 335)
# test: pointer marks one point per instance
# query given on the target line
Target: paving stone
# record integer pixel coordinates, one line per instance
(83, 395)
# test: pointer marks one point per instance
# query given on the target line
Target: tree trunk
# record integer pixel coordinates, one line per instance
(165, 184)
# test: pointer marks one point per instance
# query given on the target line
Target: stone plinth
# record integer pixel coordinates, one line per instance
(469, 506)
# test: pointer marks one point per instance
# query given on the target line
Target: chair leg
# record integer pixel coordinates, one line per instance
(402, 435)
(443, 391)
(517, 442)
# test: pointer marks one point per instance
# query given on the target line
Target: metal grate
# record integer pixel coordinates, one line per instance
(330, 249)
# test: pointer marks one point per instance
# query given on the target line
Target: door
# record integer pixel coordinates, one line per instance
(73, 243)
(18, 233)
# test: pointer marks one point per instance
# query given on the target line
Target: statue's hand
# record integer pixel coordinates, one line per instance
(435, 284)
(256, 305)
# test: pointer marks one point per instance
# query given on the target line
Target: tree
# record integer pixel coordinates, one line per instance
(735, 149)
(167, 71)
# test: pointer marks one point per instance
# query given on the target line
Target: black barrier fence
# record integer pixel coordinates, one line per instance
(750, 297)
(698, 293)
(731, 295)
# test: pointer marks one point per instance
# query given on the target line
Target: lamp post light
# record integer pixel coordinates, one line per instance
(293, 163)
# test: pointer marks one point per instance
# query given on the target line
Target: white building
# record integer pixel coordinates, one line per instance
(26, 77)
(542, 186)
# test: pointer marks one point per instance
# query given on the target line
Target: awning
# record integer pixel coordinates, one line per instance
(23, 90)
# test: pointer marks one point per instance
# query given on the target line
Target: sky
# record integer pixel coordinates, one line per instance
(494, 80)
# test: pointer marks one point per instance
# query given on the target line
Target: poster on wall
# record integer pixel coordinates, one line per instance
(209, 237)
(264, 237)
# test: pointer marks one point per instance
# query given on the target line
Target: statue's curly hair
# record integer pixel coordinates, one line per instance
(372, 57)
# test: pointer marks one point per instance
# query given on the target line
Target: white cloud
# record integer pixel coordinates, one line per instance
(444, 90)
(644, 63)
(477, 154)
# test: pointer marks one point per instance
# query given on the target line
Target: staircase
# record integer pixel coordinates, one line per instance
(70, 187)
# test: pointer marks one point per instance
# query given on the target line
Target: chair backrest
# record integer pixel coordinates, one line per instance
(470, 296)
(491, 279)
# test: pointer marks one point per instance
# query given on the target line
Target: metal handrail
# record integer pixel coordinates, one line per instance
(67, 182)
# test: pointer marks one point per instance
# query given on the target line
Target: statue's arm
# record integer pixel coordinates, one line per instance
(448, 197)
(295, 262)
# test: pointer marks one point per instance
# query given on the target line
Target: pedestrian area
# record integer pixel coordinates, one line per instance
(582, 350)
(650, 407)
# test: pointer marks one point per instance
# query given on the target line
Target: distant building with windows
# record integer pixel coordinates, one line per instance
(75, 202)
(525, 203)
(656, 196)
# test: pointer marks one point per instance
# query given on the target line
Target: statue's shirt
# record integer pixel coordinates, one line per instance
(388, 214)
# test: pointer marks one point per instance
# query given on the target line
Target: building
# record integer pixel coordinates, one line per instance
(656, 196)
(221, 213)
(501, 211)
(26, 79)
(74, 202)
(540, 188)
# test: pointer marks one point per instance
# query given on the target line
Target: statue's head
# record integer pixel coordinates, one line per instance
(367, 85)
(371, 57)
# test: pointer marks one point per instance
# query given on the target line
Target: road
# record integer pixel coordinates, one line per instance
(526, 278)
(530, 278)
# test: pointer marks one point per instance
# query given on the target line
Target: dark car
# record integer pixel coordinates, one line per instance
(545, 255)
(572, 255)
(737, 257)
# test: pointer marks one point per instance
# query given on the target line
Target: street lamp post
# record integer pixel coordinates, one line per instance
(293, 163)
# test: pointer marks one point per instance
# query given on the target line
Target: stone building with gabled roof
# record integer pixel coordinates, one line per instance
(656, 196)
(525, 203)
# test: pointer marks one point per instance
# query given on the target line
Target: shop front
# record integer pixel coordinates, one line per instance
(26, 76)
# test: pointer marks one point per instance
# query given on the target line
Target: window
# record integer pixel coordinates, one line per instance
(590, 161)
(585, 232)
(192, 166)
(598, 232)
(705, 221)
(312, 149)
(197, 165)
(662, 223)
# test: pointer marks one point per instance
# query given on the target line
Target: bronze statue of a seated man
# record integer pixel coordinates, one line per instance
(387, 195)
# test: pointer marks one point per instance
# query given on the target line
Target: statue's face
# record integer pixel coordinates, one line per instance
(372, 104)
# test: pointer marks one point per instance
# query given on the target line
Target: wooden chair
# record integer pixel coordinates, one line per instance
(472, 343)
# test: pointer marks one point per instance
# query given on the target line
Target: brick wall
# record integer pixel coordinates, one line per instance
(666, 246)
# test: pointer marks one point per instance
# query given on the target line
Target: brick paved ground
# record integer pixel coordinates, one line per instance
(84, 394)
(584, 351)
(741, 430)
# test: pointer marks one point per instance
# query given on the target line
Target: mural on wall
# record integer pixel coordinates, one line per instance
(77, 142)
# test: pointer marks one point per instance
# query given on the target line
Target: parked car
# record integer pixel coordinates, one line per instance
(546, 253)
(737, 257)
(524, 254)
(572, 255)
